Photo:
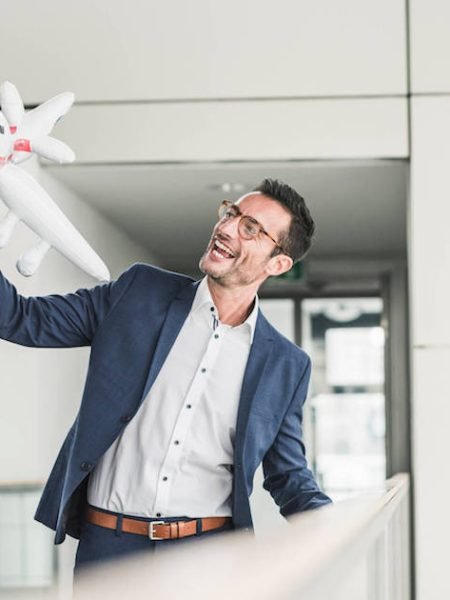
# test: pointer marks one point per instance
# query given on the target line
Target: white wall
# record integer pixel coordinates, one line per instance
(429, 259)
(42, 387)
(147, 49)
(252, 130)
(430, 46)
(430, 293)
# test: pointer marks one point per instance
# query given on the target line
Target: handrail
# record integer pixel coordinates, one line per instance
(20, 486)
(306, 560)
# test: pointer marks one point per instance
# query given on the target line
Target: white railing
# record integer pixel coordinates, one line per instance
(356, 549)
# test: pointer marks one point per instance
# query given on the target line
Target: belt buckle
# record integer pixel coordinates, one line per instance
(151, 533)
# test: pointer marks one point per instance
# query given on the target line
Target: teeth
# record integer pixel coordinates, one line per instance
(223, 247)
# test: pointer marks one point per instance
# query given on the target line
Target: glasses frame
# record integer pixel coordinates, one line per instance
(226, 204)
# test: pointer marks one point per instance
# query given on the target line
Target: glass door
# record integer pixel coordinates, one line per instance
(345, 414)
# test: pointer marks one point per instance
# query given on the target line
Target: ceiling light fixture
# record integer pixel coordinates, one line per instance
(229, 187)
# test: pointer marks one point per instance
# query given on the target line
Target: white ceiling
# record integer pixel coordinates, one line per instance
(359, 207)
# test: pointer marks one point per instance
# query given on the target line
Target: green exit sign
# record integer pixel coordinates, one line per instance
(297, 273)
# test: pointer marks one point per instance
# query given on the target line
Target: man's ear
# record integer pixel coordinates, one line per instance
(279, 264)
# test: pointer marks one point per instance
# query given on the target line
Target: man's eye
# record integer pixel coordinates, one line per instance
(230, 214)
(251, 228)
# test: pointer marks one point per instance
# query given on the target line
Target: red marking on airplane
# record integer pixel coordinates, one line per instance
(22, 145)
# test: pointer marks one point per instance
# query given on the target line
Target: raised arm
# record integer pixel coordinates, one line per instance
(57, 321)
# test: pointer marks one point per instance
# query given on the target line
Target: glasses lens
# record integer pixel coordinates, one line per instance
(249, 228)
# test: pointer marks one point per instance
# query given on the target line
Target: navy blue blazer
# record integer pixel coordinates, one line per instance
(131, 324)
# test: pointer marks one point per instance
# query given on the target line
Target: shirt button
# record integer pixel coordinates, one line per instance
(188, 405)
(212, 309)
(126, 418)
(203, 370)
(216, 335)
(165, 478)
(86, 466)
(176, 442)
(158, 514)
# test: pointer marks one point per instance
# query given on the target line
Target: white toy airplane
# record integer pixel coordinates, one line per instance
(21, 134)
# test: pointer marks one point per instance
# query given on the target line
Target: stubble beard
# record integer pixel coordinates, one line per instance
(232, 278)
(209, 270)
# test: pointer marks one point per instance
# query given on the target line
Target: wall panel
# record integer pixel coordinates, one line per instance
(210, 131)
(430, 46)
(141, 50)
(429, 219)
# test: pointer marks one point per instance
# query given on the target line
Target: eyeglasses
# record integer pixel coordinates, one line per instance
(248, 227)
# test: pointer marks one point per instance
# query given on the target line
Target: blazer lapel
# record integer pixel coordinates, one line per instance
(254, 375)
(176, 316)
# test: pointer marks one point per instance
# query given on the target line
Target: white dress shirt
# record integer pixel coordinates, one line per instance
(175, 457)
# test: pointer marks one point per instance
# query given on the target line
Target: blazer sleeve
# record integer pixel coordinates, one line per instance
(286, 473)
(57, 321)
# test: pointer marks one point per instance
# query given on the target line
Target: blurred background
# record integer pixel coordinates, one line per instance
(182, 104)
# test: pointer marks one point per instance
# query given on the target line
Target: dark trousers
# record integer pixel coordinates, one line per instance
(99, 544)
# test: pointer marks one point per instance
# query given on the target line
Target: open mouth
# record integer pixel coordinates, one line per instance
(221, 250)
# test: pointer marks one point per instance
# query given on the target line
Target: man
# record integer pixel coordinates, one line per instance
(188, 390)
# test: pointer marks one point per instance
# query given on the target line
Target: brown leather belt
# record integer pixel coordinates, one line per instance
(155, 530)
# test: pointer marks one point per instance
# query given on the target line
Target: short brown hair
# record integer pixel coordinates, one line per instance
(297, 241)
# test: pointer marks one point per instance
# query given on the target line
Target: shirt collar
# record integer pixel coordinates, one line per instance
(204, 302)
